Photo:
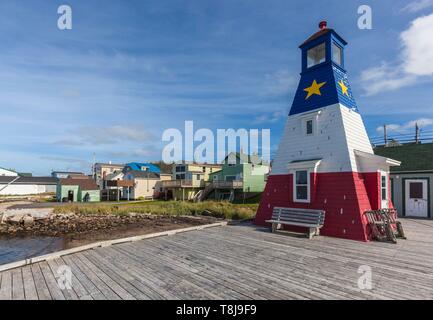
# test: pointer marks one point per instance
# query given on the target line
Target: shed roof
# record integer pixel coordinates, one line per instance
(84, 184)
(413, 157)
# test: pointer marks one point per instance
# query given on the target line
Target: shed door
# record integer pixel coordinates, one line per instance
(416, 198)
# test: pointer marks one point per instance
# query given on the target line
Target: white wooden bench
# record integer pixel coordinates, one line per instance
(311, 219)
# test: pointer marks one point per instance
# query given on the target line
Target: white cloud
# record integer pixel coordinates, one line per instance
(418, 47)
(410, 125)
(415, 61)
(279, 82)
(107, 135)
(269, 117)
(415, 6)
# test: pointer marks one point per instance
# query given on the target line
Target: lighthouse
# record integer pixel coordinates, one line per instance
(325, 160)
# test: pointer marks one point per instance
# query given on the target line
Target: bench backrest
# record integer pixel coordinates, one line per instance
(306, 216)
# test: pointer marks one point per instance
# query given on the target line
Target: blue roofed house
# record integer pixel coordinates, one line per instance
(139, 166)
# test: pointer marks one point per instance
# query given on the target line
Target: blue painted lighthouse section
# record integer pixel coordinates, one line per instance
(328, 75)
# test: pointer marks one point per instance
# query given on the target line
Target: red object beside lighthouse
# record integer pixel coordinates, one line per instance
(325, 160)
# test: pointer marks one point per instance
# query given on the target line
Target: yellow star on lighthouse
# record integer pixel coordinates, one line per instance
(314, 89)
(343, 88)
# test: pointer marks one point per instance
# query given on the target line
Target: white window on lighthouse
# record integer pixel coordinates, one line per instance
(337, 54)
(308, 126)
(301, 192)
(316, 55)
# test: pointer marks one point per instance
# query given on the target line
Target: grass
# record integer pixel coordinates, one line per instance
(224, 210)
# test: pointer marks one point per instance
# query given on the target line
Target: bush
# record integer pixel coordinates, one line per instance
(223, 210)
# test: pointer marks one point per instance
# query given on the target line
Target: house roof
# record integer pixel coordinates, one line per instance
(413, 157)
(84, 184)
(67, 172)
(28, 180)
(249, 158)
(144, 174)
(136, 166)
(8, 169)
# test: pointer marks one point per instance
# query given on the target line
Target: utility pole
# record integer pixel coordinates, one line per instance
(385, 138)
(416, 133)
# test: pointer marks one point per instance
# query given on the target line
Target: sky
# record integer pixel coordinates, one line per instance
(128, 70)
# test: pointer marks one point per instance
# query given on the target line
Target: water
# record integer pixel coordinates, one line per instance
(16, 249)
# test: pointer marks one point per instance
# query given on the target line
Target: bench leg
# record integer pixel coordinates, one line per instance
(317, 232)
(311, 232)
(274, 227)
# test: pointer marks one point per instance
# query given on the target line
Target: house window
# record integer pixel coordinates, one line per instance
(230, 178)
(302, 186)
(384, 188)
(198, 177)
(316, 55)
(309, 127)
(204, 169)
(337, 54)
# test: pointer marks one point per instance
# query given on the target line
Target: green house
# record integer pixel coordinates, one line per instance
(241, 176)
(77, 190)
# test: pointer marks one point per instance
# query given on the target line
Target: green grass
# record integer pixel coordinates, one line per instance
(224, 210)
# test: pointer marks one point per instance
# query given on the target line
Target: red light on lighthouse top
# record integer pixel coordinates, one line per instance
(323, 24)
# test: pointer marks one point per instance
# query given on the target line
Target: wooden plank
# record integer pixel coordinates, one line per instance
(78, 276)
(51, 281)
(106, 278)
(40, 284)
(29, 284)
(17, 285)
(118, 275)
(6, 286)
(68, 293)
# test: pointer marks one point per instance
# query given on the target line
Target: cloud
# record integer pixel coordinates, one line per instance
(269, 117)
(418, 47)
(410, 125)
(279, 82)
(415, 6)
(414, 64)
(89, 135)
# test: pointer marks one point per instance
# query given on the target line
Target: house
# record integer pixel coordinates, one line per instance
(77, 190)
(7, 172)
(243, 176)
(188, 179)
(325, 160)
(102, 170)
(412, 182)
(143, 184)
(65, 174)
(23, 185)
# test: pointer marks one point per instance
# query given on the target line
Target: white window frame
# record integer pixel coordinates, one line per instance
(385, 175)
(295, 198)
(313, 126)
(311, 167)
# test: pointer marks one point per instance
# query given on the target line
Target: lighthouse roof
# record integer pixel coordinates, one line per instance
(323, 32)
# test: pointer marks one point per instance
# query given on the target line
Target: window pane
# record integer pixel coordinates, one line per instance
(302, 192)
(301, 177)
(336, 54)
(384, 197)
(309, 125)
(316, 55)
(415, 190)
(383, 181)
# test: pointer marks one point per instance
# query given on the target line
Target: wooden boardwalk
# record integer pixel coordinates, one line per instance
(236, 262)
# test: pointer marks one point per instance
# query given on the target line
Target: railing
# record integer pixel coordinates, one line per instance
(183, 184)
(236, 184)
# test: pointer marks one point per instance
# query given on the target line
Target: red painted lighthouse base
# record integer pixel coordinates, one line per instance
(344, 196)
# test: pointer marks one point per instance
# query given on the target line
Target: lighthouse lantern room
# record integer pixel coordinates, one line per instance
(325, 160)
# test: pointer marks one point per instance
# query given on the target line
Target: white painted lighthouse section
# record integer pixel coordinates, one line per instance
(336, 133)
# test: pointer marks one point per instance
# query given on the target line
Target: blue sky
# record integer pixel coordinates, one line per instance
(130, 69)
